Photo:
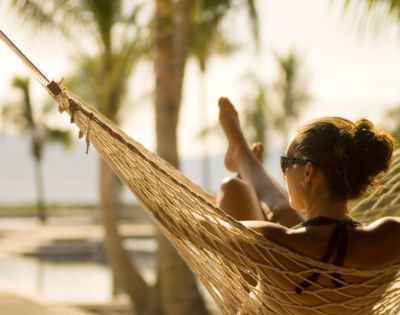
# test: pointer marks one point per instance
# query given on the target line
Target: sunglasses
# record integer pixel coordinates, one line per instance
(287, 161)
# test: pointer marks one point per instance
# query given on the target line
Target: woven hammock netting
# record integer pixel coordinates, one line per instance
(221, 251)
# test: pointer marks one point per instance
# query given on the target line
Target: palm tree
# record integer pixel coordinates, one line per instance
(292, 92)
(208, 39)
(181, 27)
(257, 114)
(172, 27)
(109, 69)
(171, 41)
(378, 11)
(21, 115)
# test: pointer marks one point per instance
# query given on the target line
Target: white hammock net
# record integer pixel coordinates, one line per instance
(217, 248)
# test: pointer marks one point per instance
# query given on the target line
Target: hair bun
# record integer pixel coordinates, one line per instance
(373, 148)
(364, 131)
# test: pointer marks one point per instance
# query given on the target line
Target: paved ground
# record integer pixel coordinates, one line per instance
(17, 239)
(22, 239)
(67, 236)
(16, 304)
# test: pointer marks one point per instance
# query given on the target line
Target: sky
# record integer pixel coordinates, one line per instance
(348, 72)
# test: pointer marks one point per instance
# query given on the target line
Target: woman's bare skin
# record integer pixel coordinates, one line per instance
(257, 200)
(239, 158)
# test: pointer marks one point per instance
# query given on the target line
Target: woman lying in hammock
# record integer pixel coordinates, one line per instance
(330, 161)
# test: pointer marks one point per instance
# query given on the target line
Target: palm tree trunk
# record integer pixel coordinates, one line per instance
(204, 119)
(179, 292)
(41, 208)
(165, 102)
(125, 273)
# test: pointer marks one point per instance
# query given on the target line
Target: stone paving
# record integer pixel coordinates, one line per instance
(17, 239)
(22, 240)
(12, 303)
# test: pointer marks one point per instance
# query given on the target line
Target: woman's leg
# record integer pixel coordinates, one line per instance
(240, 158)
(238, 199)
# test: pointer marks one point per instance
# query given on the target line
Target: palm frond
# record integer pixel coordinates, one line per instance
(46, 13)
(252, 11)
(105, 13)
(35, 11)
(375, 14)
(12, 115)
(22, 84)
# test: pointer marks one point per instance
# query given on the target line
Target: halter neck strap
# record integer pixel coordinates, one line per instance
(338, 241)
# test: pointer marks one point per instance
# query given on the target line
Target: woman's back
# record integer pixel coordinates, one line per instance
(371, 247)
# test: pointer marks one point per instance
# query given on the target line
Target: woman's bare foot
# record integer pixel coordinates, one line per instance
(229, 120)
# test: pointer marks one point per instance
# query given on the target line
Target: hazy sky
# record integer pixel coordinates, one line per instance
(348, 73)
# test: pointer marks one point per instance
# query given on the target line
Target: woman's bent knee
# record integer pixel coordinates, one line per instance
(238, 199)
(233, 184)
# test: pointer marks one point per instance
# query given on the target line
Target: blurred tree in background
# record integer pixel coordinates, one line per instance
(278, 107)
(181, 28)
(31, 120)
(119, 42)
(258, 119)
(171, 33)
(377, 14)
(208, 39)
(292, 93)
(377, 11)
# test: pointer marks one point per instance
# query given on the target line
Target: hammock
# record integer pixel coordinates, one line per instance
(216, 247)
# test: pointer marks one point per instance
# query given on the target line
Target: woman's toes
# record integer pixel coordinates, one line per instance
(258, 150)
(222, 102)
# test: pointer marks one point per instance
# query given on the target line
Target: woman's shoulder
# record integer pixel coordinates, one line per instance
(384, 232)
(384, 224)
(378, 243)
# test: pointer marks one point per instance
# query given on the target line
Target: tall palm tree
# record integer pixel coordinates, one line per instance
(180, 27)
(258, 117)
(169, 44)
(292, 92)
(381, 12)
(380, 9)
(22, 116)
(117, 51)
(172, 28)
(261, 117)
(207, 40)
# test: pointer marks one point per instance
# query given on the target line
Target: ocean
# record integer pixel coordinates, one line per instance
(72, 176)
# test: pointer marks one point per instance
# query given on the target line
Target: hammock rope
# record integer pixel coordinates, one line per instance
(221, 250)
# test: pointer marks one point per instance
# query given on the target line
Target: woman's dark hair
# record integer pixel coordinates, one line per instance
(351, 155)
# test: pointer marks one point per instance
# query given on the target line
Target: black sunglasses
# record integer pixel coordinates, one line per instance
(287, 161)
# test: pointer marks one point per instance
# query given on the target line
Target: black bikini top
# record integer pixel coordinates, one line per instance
(338, 241)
